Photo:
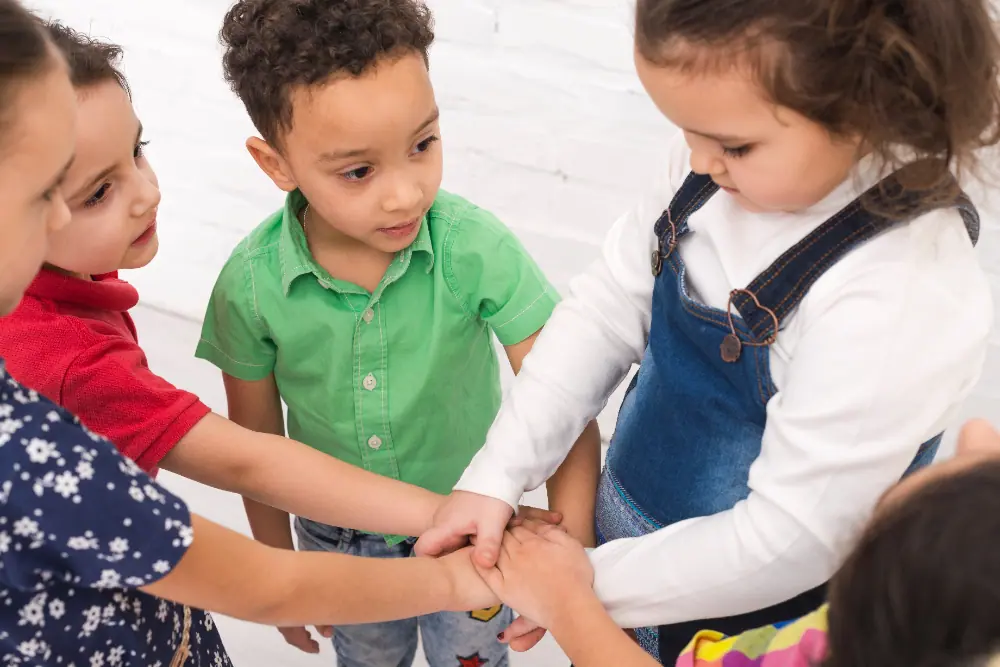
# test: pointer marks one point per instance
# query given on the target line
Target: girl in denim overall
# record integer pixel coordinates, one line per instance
(800, 291)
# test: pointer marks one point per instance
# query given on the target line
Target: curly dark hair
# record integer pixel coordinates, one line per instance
(920, 75)
(922, 587)
(273, 46)
(91, 61)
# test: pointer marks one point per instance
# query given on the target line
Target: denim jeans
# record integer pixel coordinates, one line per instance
(450, 639)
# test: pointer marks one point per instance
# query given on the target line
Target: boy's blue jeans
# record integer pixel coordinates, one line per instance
(450, 639)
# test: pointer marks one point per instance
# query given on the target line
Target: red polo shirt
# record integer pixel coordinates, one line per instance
(73, 341)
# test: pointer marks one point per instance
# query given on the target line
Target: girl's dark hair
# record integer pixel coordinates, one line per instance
(24, 53)
(91, 61)
(922, 588)
(914, 79)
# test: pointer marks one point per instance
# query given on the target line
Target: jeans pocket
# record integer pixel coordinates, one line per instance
(321, 537)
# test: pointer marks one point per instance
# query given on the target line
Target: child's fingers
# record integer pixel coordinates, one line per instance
(300, 639)
(439, 541)
(488, 539)
(537, 514)
(527, 641)
(325, 630)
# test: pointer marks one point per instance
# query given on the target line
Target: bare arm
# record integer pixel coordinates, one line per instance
(572, 489)
(282, 473)
(228, 573)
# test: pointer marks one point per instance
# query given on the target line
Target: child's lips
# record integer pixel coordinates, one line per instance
(146, 235)
(401, 231)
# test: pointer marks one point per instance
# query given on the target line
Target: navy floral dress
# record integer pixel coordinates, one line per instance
(81, 527)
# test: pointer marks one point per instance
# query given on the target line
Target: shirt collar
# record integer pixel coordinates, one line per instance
(293, 249)
(104, 292)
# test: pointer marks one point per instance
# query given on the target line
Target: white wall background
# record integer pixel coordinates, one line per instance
(544, 123)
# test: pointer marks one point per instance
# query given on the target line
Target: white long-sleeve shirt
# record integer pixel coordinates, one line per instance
(875, 361)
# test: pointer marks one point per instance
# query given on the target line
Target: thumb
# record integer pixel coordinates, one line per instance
(492, 577)
(438, 541)
(487, 549)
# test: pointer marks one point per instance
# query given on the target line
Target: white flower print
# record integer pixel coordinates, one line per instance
(85, 470)
(67, 484)
(92, 619)
(97, 660)
(129, 467)
(135, 582)
(57, 609)
(4, 542)
(161, 612)
(30, 648)
(82, 543)
(33, 613)
(136, 494)
(187, 535)
(119, 545)
(109, 579)
(25, 527)
(6, 410)
(209, 623)
(10, 426)
(161, 567)
(53, 416)
(116, 655)
(40, 451)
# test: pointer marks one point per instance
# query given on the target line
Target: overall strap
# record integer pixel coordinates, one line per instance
(772, 295)
(672, 223)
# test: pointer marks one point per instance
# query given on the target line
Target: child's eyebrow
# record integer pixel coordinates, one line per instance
(335, 156)
(433, 118)
(721, 138)
(58, 180)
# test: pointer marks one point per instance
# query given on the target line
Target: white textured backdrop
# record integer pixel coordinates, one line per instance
(544, 123)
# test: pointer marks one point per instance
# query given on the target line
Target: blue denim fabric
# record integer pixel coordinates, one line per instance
(692, 421)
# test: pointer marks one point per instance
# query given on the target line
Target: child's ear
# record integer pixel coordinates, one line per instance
(271, 163)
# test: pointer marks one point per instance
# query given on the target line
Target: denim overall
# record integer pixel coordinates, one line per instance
(693, 418)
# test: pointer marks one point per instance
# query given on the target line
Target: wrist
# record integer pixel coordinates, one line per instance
(430, 503)
(573, 609)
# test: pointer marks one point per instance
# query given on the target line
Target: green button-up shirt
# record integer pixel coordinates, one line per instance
(403, 381)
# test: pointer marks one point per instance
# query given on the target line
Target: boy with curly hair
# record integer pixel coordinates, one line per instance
(368, 303)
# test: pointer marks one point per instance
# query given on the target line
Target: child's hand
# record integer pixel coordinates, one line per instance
(540, 573)
(462, 515)
(536, 514)
(469, 591)
(302, 640)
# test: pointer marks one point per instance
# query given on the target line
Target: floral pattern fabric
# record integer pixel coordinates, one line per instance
(81, 528)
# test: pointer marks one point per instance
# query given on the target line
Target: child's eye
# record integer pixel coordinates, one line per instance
(98, 196)
(424, 145)
(736, 151)
(359, 174)
(140, 149)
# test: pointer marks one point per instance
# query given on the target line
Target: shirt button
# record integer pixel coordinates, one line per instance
(369, 382)
(368, 315)
(374, 442)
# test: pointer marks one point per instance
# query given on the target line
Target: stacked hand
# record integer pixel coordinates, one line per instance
(533, 566)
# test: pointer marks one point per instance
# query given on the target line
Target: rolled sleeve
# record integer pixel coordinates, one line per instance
(495, 278)
(233, 336)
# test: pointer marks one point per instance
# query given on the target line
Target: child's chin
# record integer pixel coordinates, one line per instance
(139, 256)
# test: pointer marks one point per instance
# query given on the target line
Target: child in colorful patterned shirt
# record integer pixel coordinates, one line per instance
(918, 590)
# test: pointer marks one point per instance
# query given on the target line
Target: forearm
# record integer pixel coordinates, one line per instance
(556, 394)
(286, 474)
(225, 572)
(590, 638)
(269, 526)
(572, 490)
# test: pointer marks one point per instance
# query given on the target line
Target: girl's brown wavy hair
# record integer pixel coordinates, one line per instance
(916, 80)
